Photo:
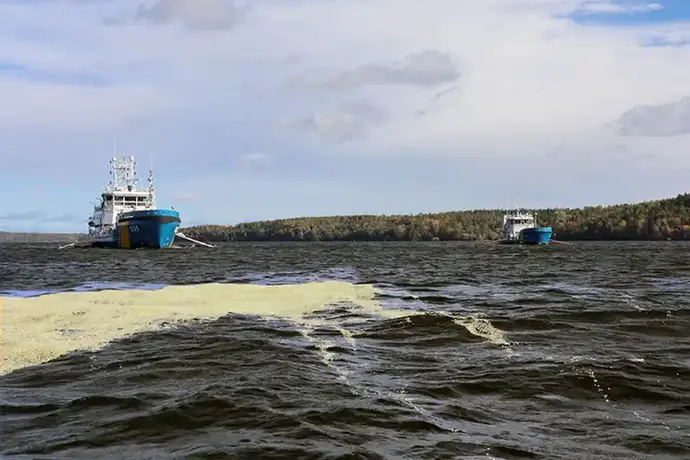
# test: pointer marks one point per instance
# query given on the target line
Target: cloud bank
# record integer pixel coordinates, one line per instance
(487, 88)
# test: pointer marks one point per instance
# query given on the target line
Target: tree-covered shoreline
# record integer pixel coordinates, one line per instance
(667, 219)
(650, 220)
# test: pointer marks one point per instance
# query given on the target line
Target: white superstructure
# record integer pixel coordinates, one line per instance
(514, 222)
(120, 195)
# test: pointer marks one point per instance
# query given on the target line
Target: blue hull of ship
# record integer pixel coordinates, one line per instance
(151, 228)
(538, 235)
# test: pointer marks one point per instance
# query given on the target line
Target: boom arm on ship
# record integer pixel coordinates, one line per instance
(83, 243)
(86, 243)
(185, 237)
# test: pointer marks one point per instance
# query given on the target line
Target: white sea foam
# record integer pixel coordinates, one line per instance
(38, 329)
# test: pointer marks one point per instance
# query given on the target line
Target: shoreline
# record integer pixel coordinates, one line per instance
(18, 240)
(659, 220)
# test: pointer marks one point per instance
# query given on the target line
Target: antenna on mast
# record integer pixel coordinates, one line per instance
(152, 196)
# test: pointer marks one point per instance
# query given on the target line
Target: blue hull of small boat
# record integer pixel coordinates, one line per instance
(530, 236)
(538, 235)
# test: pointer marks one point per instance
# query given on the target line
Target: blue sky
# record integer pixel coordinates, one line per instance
(633, 12)
(267, 109)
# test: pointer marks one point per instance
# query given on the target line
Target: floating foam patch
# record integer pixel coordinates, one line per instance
(38, 329)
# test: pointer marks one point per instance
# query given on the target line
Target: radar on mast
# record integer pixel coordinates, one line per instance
(124, 173)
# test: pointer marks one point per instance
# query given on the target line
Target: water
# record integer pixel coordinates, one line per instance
(570, 352)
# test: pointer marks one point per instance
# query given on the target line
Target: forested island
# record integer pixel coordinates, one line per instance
(650, 220)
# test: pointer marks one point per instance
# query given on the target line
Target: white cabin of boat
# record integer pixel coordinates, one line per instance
(120, 195)
(514, 222)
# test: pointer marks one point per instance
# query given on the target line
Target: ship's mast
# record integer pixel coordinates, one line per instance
(152, 195)
(124, 174)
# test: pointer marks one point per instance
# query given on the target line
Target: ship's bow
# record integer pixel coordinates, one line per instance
(538, 235)
(151, 228)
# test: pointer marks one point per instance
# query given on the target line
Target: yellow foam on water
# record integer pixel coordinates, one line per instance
(39, 329)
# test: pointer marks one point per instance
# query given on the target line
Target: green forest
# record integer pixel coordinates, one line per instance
(651, 220)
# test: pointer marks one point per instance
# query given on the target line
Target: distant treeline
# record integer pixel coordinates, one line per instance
(11, 237)
(651, 220)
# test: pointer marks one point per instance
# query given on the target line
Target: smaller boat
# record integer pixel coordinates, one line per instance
(521, 228)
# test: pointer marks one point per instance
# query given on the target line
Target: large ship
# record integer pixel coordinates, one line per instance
(126, 217)
(521, 228)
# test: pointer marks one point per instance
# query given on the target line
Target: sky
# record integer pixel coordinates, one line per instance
(262, 109)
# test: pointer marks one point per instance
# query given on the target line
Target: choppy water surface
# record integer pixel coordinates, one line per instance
(570, 352)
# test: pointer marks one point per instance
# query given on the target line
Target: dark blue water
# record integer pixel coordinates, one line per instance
(561, 352)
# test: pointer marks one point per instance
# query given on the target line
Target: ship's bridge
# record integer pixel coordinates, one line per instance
(135, 198)
(519, 220)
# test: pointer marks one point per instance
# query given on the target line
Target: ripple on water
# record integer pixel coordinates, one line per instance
(433, 350)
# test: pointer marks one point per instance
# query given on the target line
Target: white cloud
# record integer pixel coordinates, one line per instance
(55, 107)
(672, 119)
(609, 7)
(342, 124)
(522, 72)
(508, 79)
(197, 14)
(254, 160)
(428, 68)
